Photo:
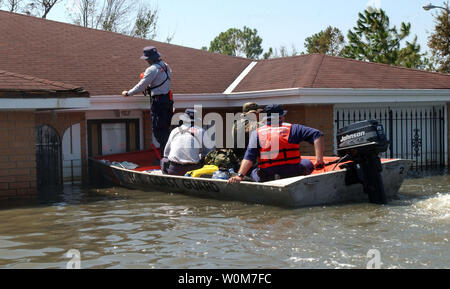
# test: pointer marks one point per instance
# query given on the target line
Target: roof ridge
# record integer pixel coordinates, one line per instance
(288, 57)
(41, 80)
(318, 69)
(358, 61)
(387, 65)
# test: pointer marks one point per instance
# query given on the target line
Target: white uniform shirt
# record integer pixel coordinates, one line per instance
(154, 75)
(186, 145)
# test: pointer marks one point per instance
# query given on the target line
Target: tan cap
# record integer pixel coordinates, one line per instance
(251, 107)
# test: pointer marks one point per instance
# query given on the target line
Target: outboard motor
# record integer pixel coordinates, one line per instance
(362, 142)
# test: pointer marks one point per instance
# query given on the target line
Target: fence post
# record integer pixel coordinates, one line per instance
(391, 134)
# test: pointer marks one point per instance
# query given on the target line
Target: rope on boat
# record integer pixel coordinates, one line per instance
(337, 162)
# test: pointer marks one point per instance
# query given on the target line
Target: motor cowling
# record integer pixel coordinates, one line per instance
(362, 142)
(361, 138)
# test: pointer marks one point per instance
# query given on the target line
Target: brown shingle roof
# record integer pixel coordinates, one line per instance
(104, 63)
(19, 85)
(320, 71)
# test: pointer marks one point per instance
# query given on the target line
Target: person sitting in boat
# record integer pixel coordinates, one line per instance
(243, 127)
(185, 147)
(276, 147)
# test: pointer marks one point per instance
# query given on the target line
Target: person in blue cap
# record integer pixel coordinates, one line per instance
(276, 148)
(156, 82)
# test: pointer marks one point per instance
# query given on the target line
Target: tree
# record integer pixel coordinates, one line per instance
(112, 15)
(268, 54)
(227, 42)
(411, 57)
(329, 41)
(13, 5)
(41, 8)
(83, 13)
(170, 37)
(145, 24)
(439, 41)
(236, 42)
(374, 40)
(117, 16)
(281, 52)
(251, 43)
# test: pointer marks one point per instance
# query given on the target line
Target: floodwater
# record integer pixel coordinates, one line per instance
(119, 228)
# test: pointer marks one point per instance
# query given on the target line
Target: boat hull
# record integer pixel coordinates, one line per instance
(304, 191)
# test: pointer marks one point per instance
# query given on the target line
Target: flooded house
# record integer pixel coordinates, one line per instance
(30, 153)
(61, 84)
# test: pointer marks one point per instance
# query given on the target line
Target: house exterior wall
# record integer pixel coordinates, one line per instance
(17, 155)
(61, 121)
(315, 116)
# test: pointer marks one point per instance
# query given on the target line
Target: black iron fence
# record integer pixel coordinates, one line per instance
(48, 158)
(416, 133)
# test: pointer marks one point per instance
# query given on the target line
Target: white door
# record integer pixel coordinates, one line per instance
(71, 151)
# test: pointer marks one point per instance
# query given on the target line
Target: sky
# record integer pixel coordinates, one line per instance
(194, 23)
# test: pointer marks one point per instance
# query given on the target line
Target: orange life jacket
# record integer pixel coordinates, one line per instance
(275, 147)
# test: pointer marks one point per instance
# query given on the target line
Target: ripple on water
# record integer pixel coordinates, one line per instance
(437, 207)
(154, 230)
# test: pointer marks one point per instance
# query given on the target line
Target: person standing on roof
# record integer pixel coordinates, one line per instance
(276, 147)
(156, 82)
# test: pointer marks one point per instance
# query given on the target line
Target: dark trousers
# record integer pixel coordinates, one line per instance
(162, 112)
(173, 169)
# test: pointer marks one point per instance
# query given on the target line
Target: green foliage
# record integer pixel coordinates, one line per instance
(439, 41)
(145, 25)
(268, 54)
(227, 42)
(282, 51)
(251, 43)
(411, 57)
(374, 40)
(329, 41)
(236, 42)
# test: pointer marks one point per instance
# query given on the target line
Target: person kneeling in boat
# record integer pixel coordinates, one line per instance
(185, 147)
(276, 147)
